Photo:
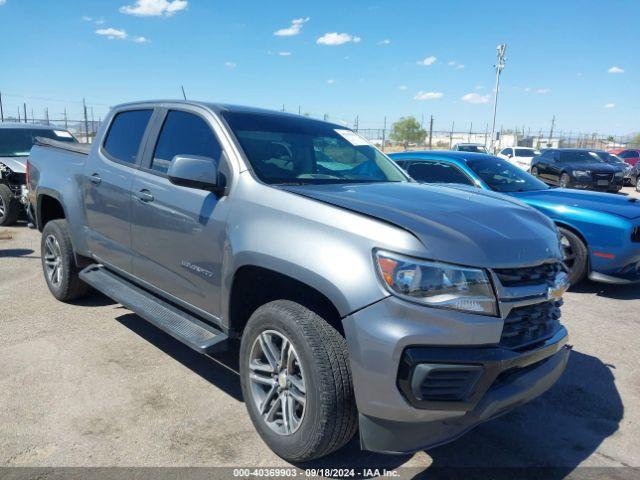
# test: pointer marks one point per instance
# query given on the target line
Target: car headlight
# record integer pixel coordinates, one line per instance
(619, 174)
(436, 284)
(581, 173)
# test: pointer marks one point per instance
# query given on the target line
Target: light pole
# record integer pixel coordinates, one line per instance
(501, 49)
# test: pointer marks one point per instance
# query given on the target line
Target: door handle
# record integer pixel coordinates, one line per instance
(145, 196)
(95, 178)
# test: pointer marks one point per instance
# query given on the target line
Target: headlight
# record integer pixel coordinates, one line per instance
(619, 174)
(438, 285)
(581, 173)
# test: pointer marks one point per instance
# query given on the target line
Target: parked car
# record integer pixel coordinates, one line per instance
(519, 156)
(346, 283)
(629, 155)
(16, 139)
(470, 147)
(576, 168)
(616, 162)
(600, 233)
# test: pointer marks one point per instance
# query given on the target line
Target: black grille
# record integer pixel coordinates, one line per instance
(603, 176)
(516, 277)
(449, 385)
(525, 326)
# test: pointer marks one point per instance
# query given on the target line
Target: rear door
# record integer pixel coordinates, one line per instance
(107, 187)
(178, 233)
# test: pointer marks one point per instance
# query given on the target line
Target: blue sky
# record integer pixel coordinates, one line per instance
(393, 53)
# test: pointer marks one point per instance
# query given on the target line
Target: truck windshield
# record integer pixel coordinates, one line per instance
(503, 177)
(17, 142)
(291, 150)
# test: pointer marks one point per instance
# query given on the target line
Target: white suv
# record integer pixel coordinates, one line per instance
(519, 156)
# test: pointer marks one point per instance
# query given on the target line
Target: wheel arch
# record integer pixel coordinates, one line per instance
(49, 207)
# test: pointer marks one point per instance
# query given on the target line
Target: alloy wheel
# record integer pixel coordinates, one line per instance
(2, 208)
(53, 260)
(564, 180)
(277, 382)
(568, 254)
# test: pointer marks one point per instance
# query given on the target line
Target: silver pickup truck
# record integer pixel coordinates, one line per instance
(362, 300)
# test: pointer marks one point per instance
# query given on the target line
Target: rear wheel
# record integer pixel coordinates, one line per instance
(9, 206)
(58, 263)
(296, 381)
(575, 255)
(565, 180)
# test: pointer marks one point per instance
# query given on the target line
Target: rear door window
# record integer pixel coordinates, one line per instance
(125, 134)
(184, 133)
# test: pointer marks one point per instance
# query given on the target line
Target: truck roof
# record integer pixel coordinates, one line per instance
(219, 108)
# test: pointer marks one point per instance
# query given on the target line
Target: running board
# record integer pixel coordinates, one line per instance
(179, 324)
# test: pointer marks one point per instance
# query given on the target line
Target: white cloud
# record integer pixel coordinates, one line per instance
(99, 21)
(141, 40)
(427, 61)
(527, 89)
(154, 8)
(615, 69)
(386, 41)
(402, 87)
(609, 105)
(112, 33)
(335, 38)
(84, 17)
(475, 98)
(451, 63)
(331, 81)
(460, 66)
(428, 95)
(479, 87)
(294, 29)
(2, 2)
(230, 65)
(284, 54)
(543, 91)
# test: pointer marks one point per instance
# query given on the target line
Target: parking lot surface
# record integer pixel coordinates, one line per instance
(91, 384)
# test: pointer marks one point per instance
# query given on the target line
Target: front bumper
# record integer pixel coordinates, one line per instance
(595, 184)
(509, 380)
(391, 338)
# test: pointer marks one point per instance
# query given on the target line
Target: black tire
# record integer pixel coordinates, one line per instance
(68, 285)
(10, 206)
(534, 171)
(330, 416)
(565, 180)
(578, 259)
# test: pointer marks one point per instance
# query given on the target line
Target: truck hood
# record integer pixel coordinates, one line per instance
(595, 201)
(16, 164)
(457, 225)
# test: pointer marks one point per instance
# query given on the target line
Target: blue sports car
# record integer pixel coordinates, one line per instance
(600, 232)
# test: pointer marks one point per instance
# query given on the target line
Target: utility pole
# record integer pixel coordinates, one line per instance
(33, 118)
(46, 115)
(86, 120)
(470, 128)
(184, 95)
(298, 109)
(356, 123)
(1, 109)
(283, 107)
(430, 130)
(24, 109)
(19, 118)
(451, 135)
(93, 123)
(553, 124)
(486, 134)
(65, 119)
(384, 131)
(501, 49)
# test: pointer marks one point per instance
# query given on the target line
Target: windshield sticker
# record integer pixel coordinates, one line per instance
(62, 133)
(351, 137)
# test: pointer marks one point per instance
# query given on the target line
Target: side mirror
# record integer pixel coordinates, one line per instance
(194, 172)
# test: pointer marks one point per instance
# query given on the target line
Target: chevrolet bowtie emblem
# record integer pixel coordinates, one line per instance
(560, 286)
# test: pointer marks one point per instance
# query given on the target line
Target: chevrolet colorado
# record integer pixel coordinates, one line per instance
(362, 300)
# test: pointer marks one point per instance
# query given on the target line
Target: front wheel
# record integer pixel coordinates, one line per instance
(296, 381)
(565, 180)
(575, 253)
(9, 206)
(534, 171)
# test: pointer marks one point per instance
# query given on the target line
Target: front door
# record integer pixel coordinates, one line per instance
(178, 233)
(107, 188)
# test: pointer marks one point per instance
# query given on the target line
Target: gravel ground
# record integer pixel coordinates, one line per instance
(91, 384)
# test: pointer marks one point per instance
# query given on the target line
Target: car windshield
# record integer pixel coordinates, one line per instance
(503, 177)
(607, 157)
(300, 151)
(579, 156)
(17, 142)
(526, 152)
(472, 148)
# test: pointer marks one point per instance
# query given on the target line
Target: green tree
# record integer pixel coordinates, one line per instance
(407, 130)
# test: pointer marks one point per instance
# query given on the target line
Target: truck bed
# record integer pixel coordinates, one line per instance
(81, 148)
